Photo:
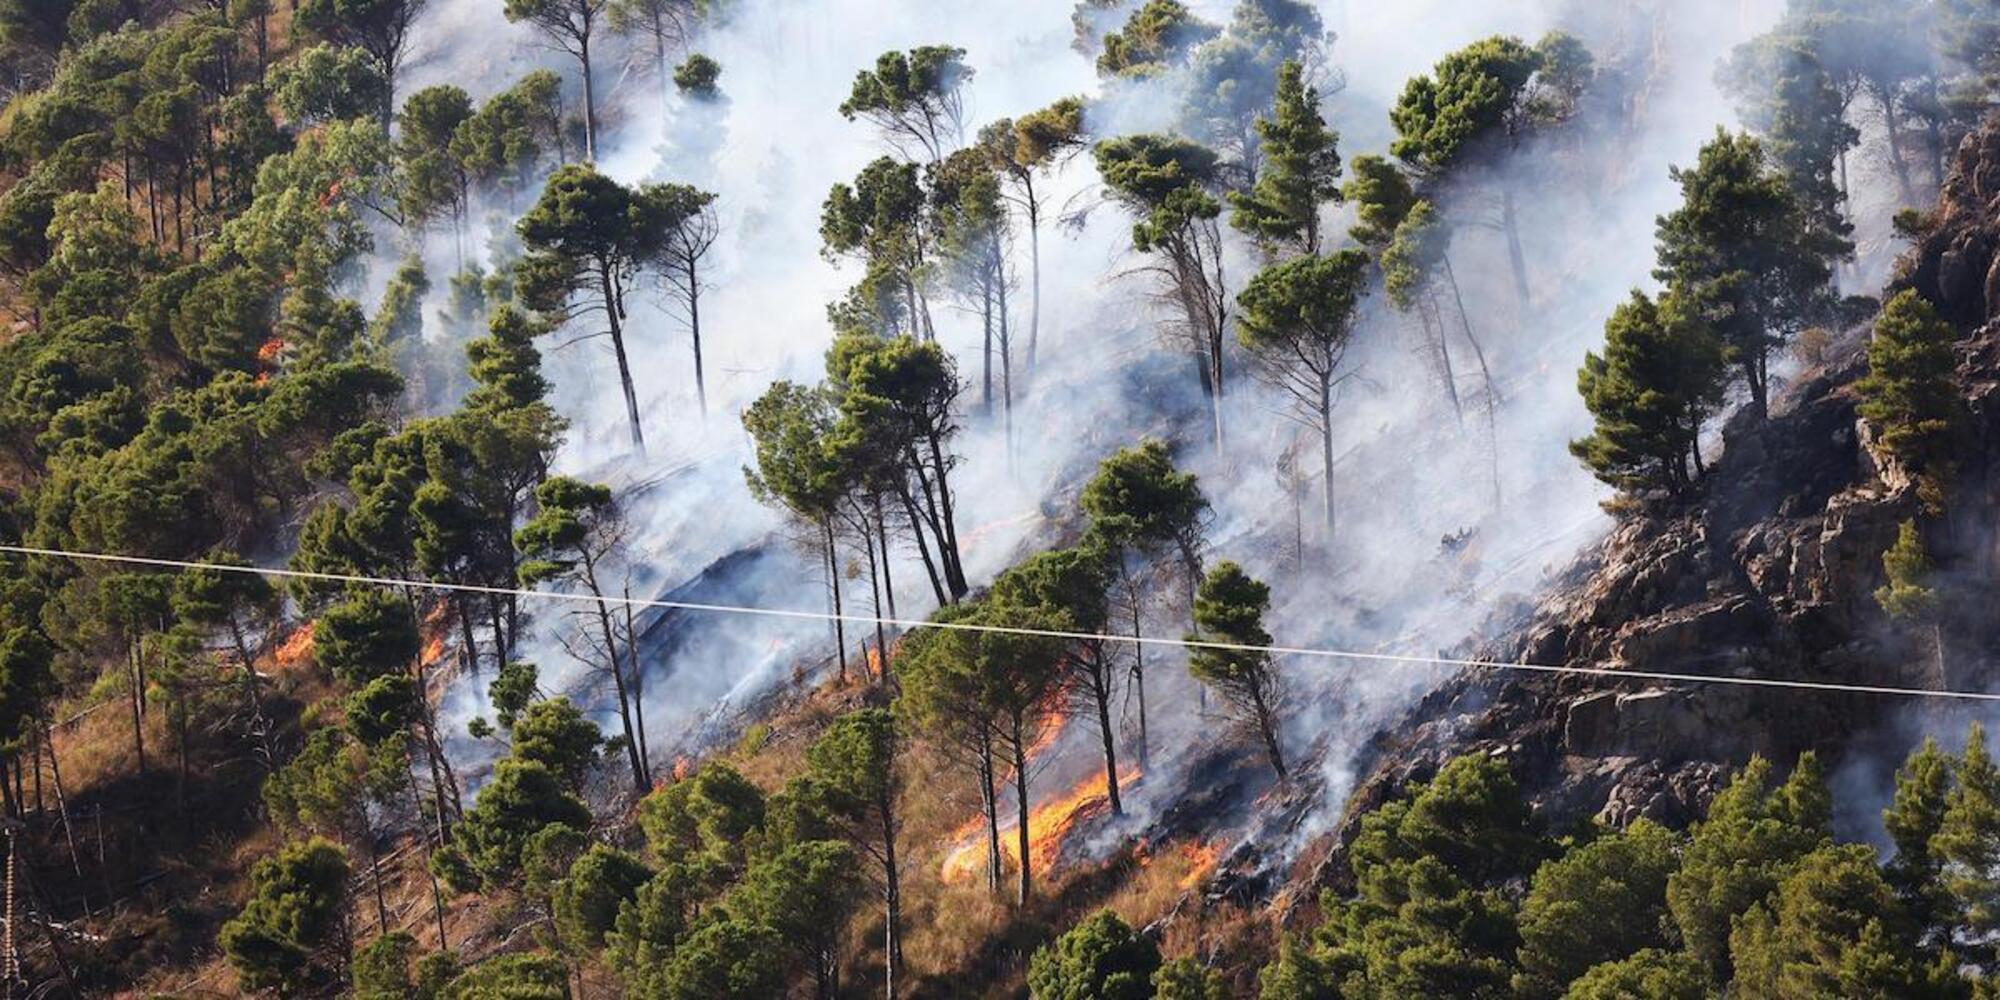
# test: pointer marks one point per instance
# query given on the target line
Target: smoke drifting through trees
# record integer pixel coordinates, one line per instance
(774, 156)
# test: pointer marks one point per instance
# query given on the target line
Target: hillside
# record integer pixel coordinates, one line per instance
(1086, 499)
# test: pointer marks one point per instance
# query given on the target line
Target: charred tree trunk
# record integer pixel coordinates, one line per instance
(694, 333)
(1098, 674)
(589, 98)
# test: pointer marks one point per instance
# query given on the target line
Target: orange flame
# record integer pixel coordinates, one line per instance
(1049, 825)
(874, 662)
(268, 352)
(1202, 857)
(682, 768)
(296, 647)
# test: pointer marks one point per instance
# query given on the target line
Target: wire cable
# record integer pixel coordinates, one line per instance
(699, 607)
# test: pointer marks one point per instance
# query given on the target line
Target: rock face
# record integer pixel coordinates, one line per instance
(1770, 575)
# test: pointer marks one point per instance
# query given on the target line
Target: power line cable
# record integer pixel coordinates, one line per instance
(701, 607)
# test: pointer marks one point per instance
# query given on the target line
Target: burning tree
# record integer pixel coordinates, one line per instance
(1164, 183)
(1139, 506)
(1229, 609)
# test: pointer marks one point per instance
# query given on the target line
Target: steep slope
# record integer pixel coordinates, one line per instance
(1769, 575)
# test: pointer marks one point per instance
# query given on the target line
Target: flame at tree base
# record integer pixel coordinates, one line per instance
(1049, 825)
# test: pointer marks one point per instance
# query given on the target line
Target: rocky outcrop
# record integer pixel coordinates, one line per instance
(1769, 575)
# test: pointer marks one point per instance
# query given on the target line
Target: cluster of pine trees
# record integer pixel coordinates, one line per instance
(1458, 893)
(1748, 261)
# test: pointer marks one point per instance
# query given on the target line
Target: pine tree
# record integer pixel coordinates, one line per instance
(1229, 608)
(1910, 394)
(1753, 837)
(1099, 958)
(1297, 319)
(1743, 246)
(1907, 593)
(1968, 845)
(1913, 819)
(1657, 381)
(1301, 169)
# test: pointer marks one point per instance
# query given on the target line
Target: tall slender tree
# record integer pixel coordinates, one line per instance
(570, 26)
(1301, 172)
(576, 529)
(1023, 149)
(588, 238)
(1296, 320)
(1164, 183)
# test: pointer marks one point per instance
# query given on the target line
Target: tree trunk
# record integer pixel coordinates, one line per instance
(833, 583)
(1516, 259)
(923, 547)
(694, 331)
(892, 952)
(1267, 727)
(639, 779)
(875, 593)
(1485, 377)
(638, 684)
(1035, 273)
(611, 313)
(1006, 364)
(1019, 742)
(1100, 691)
(882, 536)
(1138, 669)
(138, 714)
(375, 871)
(1326, 448)
(1892, 128)
(986, 346)
(62, 804)
(954, 569)
(589, 101)
(990, 801)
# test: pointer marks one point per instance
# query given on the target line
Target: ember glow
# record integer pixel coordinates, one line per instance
(1049, 825)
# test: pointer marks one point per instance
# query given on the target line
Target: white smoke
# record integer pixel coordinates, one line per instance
(1408, 474)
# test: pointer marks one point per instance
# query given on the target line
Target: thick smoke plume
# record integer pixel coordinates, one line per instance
(1408, 475)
